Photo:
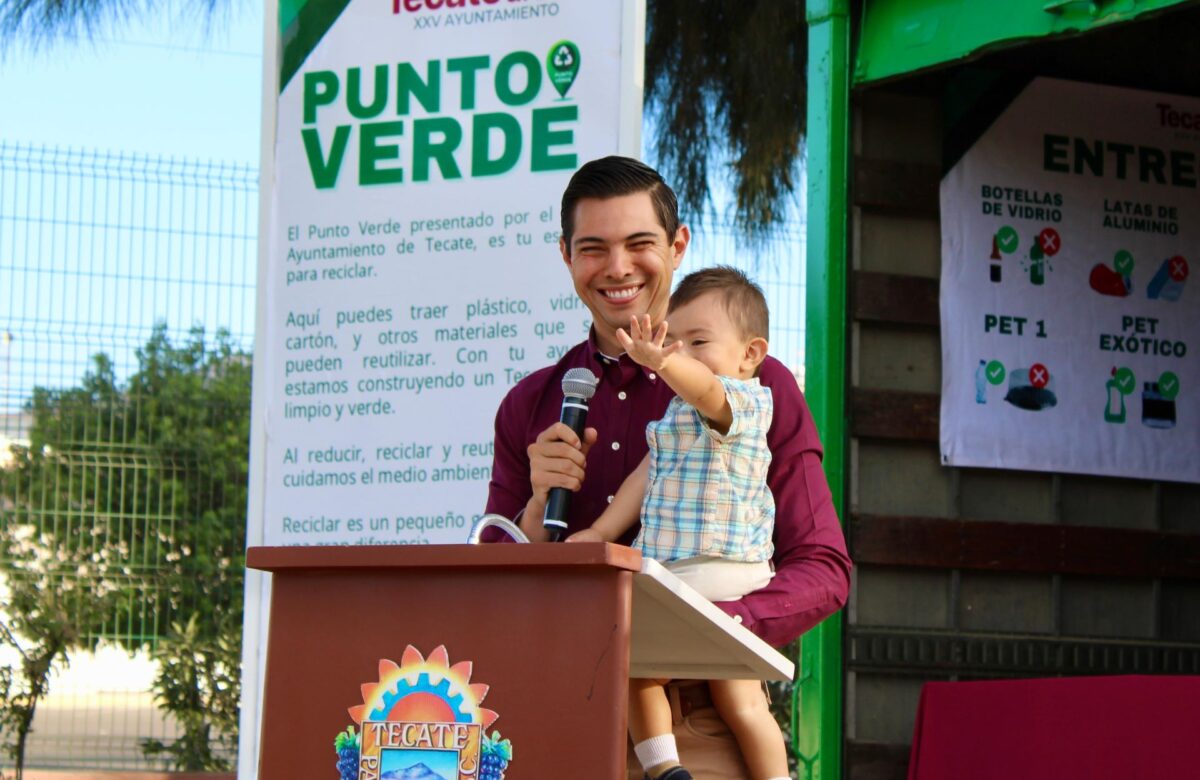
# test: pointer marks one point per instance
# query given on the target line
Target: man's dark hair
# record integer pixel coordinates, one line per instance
(743, 299)
(610, 177)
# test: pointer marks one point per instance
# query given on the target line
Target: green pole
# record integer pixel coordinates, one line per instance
(817, 702)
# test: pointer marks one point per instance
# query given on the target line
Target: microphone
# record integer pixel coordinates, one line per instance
(578, 386)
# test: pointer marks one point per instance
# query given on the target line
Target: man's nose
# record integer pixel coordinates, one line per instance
(620, 264)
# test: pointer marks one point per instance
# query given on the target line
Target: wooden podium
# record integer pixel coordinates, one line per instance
(553, 630)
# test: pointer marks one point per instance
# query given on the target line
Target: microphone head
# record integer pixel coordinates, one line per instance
(580, 383)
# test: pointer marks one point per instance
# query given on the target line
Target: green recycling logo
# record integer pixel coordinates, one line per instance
(562, 65)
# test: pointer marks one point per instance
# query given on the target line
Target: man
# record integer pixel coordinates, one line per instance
(622, 242)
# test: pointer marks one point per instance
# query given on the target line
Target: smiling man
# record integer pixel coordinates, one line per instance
(621, 257)
(622, 242)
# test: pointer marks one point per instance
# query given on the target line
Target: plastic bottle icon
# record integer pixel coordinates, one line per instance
(1114, 412)
(981, 383)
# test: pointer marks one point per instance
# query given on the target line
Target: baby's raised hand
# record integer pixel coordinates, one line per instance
(644, 345)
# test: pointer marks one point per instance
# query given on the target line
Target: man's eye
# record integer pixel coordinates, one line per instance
(698, 342)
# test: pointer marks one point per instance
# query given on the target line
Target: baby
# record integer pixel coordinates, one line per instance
(702, 494)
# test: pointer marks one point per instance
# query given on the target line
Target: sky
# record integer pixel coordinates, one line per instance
(164, 87)
(173, 87)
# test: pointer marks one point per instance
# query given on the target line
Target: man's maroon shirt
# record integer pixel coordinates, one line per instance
(812, 569)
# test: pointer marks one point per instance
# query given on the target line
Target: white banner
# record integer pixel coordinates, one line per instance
(1069, 317)
(413, 268)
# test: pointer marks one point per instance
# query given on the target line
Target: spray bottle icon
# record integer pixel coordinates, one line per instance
(1114, 412)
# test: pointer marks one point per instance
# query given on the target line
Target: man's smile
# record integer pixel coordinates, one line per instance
(621, 293)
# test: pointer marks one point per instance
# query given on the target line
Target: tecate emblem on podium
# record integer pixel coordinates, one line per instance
(422, 721)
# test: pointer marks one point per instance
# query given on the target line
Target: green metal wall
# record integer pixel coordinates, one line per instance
(900, 37)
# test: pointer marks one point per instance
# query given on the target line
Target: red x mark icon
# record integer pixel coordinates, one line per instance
(1050, 242)
(1039, 375)
(1178, 268)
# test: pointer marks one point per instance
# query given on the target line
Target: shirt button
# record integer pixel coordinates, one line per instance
(621, 395)
(610, 498)
(616, 445)
(653, 375)
(737, 618)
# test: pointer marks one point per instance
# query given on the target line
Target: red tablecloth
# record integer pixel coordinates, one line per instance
(1061, 729)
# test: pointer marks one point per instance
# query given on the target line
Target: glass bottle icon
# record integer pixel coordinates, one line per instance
(1114, 412)
(981, 383)
(1037, 267)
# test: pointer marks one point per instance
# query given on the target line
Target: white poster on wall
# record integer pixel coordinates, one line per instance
(1069, 316)
(421, 149)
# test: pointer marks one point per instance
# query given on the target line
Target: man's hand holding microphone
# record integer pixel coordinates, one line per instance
(558, 460)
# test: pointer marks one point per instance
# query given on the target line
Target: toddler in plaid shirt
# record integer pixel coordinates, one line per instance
(702, 494)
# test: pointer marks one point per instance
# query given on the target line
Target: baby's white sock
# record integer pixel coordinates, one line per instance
(657, 750)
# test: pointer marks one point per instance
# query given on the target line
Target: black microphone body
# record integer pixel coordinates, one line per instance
(579, 385)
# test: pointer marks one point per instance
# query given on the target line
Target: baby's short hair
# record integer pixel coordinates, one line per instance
(743, 299)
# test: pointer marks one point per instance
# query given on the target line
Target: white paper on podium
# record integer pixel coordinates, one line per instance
(677, 633)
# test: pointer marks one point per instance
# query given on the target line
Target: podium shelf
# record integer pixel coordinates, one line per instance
(678, 633)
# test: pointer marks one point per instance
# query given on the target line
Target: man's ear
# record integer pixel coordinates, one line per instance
(564, 251)
(683, 236)
(756, 352)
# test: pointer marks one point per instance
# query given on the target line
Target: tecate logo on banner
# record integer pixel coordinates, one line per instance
(1168, 116)
(414, 6)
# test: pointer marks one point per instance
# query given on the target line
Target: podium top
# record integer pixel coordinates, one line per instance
(676, 632)
(280, 559)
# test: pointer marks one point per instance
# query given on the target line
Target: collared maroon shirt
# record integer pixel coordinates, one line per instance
(812, 569)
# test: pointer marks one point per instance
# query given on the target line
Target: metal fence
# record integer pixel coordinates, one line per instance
(776, 264)
(130, 257)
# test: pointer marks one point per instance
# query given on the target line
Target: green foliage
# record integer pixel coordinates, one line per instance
(46, 22)
(725, 81)
(139, 491)
(781, 704)
(56, 589)
(198, 684)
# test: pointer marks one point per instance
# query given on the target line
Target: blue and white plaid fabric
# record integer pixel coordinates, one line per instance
(707, 492)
